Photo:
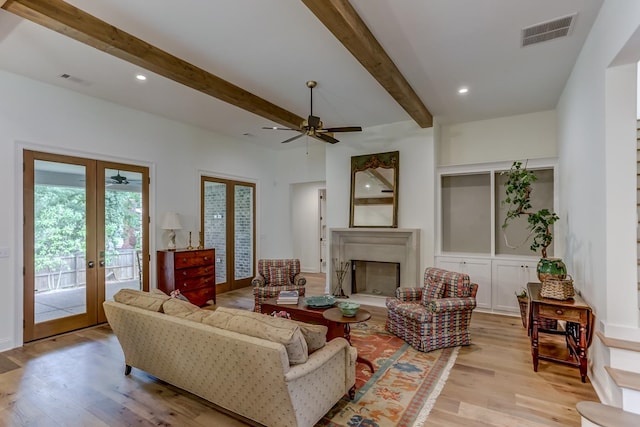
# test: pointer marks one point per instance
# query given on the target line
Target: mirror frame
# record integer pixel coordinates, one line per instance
(389, 160)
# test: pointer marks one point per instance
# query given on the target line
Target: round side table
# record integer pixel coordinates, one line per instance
(362, 315)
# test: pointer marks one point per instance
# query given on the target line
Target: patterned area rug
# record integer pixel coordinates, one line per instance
(403, 388)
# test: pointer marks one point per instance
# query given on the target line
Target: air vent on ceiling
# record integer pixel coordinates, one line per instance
(75, 79)
(549, 30)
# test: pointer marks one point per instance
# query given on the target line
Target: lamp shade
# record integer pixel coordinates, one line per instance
(171, 221)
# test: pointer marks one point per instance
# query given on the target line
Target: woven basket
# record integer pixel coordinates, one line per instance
(545, 323)
(557, 288)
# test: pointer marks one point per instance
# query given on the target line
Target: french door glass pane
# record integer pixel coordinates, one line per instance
(243, 224)
(123, 231)
(60, 236)
(215, 228)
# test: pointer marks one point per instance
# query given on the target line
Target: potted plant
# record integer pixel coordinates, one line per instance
(518, 198)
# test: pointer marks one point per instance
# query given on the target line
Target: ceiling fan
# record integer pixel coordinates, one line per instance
(313, 126)
(119, 179)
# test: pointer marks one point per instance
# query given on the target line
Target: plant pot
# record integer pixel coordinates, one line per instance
(551, 268)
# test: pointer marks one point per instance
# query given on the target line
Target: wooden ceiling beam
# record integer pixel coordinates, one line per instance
(79, 25)
(349, 28)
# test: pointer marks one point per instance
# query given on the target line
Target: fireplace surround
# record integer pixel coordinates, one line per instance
(396, 245)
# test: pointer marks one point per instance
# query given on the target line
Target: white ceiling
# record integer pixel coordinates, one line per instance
(271, 48)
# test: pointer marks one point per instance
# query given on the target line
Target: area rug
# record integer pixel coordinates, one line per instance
(403, 388)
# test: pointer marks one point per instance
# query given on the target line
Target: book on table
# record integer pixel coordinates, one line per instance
(287, 297)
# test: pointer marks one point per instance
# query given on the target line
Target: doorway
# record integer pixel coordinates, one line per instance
(227, 218)
(84, 239)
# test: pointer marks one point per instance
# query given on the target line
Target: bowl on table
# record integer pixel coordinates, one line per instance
(349, 309)
(320, 301)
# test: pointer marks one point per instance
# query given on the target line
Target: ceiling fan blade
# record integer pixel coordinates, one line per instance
(294, 138)
(278, 128)
(344, 129)
(326, 138)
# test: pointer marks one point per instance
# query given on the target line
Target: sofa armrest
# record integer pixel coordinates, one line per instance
(319, 358)
(258, 280)
(409, 294)
(451, 304)
(299, 280)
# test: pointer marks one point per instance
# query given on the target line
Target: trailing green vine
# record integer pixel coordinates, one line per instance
(518, 192)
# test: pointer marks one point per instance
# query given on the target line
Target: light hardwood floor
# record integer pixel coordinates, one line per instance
(77, 380)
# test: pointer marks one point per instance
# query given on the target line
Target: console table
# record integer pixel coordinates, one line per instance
(578, 331)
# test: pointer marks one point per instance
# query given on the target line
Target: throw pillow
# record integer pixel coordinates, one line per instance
(258, 325)
(432, 290)
(146, 300)
(314, 335)
(279, 276)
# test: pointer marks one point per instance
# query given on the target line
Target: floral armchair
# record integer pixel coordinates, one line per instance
(275, 275)
(436, 315)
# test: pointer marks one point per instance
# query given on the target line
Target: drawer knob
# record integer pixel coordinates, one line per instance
(184, 273)
(206, 258)
(184, 285)
(559, 312)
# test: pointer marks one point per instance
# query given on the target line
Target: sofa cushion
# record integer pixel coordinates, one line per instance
(258, 325)
(314, 335)
(146, 300)
(184, 309)
(432, 290)
(279, 276)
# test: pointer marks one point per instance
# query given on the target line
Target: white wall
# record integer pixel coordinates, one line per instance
(416, 193)
(596, 128)
(525, 136)
(48, 118)
(305, 222)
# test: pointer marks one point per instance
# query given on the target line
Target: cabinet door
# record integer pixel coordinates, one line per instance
(479, 271)
(509, 278)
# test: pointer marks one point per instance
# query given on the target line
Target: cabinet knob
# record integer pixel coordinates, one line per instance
(184, 285)
(184, 273)
(184, 260)
(559, 312)
(206, 258)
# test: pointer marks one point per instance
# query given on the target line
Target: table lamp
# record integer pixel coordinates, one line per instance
(171, 222)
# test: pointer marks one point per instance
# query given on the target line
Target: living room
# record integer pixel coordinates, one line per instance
(590, 132)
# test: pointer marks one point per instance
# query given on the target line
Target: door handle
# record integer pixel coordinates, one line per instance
(91, 264)
(101, 263)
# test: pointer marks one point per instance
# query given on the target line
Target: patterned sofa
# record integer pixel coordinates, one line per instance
(241, 372)
(436, 315)
(275, 275)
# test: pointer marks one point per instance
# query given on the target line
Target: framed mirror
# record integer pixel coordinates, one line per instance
(374, 190)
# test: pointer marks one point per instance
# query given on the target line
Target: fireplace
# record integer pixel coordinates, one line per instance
(375, 277)
(383, 245)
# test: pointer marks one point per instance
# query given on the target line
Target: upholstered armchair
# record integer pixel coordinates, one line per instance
(436, 315)
(275, 275)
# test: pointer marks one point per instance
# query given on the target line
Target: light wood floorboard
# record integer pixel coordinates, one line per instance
(77, 380)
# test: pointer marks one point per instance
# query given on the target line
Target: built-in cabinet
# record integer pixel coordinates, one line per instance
(471, 238)
(498, 279)
(510, 277)
(479, 270)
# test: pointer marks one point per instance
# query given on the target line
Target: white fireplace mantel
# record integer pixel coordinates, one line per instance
(400, 245)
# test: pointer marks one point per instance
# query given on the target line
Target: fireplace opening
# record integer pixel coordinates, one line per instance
(375, 277)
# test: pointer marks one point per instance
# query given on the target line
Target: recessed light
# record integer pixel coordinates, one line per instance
(463, 90)
(141, 77)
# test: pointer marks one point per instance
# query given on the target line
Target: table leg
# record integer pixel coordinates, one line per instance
(582, 353)
(534, 343)
(347, 336)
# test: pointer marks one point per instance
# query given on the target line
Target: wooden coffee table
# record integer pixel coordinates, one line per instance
(334, 316)
(303, 313)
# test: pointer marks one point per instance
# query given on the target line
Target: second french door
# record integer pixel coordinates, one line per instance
(227, 219)
(85, 237)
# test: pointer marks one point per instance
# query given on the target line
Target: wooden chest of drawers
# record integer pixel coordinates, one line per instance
(190, 271)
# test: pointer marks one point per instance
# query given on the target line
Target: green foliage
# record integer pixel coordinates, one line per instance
(518, 192)
(60, 224)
